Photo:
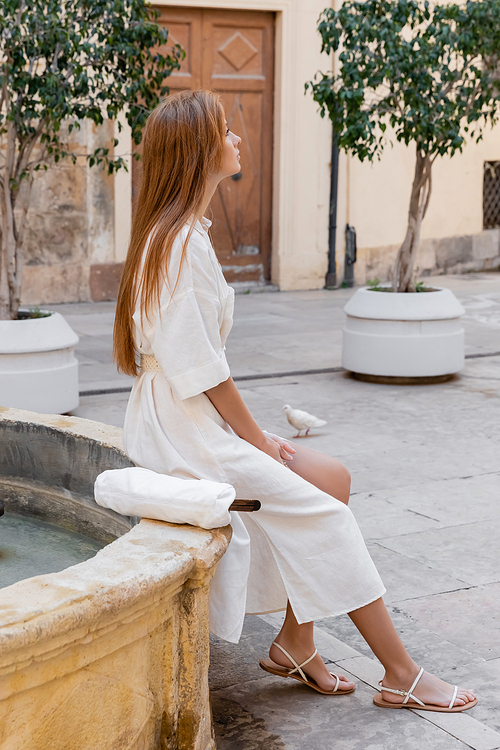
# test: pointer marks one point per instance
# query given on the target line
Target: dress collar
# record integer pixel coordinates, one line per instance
(201, 226)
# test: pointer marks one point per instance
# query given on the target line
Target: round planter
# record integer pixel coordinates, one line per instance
(403, 335)
(38, 368)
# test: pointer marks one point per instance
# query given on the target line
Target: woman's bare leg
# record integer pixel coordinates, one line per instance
(330, 476)
(325, 472)
(372, 621)
(298, 640)
(376, 627)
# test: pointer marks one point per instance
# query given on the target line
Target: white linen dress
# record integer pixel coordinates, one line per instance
(302, 545)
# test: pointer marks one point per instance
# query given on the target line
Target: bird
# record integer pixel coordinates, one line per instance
(301, 420)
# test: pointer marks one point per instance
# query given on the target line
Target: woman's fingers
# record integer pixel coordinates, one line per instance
(280, 449)
(287, 446)
(285, 453)
(274, 450)
(281, 441)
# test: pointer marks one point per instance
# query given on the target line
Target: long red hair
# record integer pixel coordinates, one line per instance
(183, 144)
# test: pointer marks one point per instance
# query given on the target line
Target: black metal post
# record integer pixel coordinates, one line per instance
(350, 256)
(331, 276)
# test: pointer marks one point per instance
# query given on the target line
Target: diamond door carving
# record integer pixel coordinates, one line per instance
(238, 51)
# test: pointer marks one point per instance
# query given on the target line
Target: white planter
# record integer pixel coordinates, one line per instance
(38, 368)
(403, 335)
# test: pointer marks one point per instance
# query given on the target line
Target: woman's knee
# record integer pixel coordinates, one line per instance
(341, 483)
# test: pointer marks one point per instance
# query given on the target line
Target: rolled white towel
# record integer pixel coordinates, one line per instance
(140, 492)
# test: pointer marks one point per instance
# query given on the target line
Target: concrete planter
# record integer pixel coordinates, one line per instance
(38, 368)
(417, 335)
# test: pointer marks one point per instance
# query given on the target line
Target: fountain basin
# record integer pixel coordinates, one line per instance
(111, 653)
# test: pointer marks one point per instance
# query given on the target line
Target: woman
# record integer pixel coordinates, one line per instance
(302, 551)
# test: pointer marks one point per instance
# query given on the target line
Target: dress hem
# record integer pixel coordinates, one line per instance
(338, 613)
(317, 618)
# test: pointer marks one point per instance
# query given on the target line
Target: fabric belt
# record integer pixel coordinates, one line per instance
(149, 363)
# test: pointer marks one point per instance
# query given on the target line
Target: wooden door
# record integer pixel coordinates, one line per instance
(232, 52)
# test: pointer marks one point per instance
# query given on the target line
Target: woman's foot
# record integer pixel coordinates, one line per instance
(315, 669)
(429, 689)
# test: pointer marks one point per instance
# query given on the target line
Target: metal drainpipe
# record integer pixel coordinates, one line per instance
(331, 276)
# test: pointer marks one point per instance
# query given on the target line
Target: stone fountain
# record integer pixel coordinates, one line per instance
(111, 653)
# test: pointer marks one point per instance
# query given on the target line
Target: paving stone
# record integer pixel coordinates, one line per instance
(443, 503)
(466, 551)
(469, 618)
(465, 728)
(406, 578)
(231, 664)
(276, 714)
(484, 678)
(112, 407)
(378, 518)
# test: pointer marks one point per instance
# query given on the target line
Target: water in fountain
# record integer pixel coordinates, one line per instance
(29, 547)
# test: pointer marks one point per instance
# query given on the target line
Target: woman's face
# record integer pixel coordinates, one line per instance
(231, 155)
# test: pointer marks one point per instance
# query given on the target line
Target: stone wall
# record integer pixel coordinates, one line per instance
(477, 252)
(70, 234)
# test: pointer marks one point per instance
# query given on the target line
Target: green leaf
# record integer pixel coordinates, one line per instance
(64, 61)
(423, 68)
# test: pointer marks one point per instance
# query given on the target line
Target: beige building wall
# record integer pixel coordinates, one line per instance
(80, 223)
(374, 199)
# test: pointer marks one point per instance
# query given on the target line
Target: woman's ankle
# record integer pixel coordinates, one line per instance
(400, 676)
(298, 649)
(294, 645)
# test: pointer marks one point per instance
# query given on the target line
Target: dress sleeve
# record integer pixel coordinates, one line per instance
(187, 344)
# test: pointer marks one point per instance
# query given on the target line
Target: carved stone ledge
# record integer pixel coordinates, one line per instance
(111, 653)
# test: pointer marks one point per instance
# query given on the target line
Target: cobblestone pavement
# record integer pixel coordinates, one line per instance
(425, 462)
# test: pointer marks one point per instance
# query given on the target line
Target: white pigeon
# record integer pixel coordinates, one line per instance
(301, 420)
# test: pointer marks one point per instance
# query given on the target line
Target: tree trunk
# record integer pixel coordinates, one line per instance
(403, 280)
(11, 266)
(12, 225)
(4, 281)
(11, 261)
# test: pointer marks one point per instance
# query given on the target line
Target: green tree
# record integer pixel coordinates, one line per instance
(64, 61)
(430, 72)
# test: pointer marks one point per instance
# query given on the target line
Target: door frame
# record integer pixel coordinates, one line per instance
(301, 147)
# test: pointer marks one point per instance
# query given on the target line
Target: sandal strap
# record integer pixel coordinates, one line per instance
(455, 691)
(337, 683)
(407, 693)
(297, 667)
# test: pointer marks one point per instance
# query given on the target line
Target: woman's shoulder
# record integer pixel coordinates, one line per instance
(191, 238)
(190, 266)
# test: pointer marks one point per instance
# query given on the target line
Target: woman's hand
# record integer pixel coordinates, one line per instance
(232, 408)
(272, 448)
(286, 449)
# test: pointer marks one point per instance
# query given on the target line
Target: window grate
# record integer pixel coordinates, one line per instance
(491, 194)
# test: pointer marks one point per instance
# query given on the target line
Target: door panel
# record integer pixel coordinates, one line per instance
(237, 202)
(184, 27)
(238, 63)
(232, 52)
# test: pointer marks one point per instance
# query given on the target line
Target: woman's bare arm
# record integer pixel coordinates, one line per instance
(228, 402)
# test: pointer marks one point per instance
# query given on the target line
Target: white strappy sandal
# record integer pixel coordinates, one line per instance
(408, 695)
(270, 666)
